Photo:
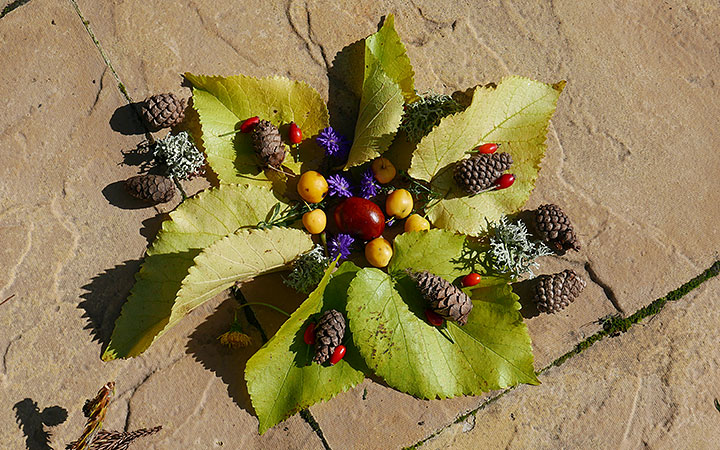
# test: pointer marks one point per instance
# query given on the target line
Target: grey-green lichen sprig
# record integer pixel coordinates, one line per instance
(511, 249)
(422, 115)
(308, 270)
(180, 155)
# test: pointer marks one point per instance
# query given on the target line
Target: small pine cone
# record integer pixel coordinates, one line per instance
(444, 298)
(554, 292)
(555, 229)
(480, 172)
(268, 144)
(163, 111)
(151, 188)
(329, 333)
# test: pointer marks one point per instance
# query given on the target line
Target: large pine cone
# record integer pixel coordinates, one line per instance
(329, 333)
(444, 298)
(151, 188)
(480, 172)
(268, 144)
(555, 229)
(163, 111)
(554, 292)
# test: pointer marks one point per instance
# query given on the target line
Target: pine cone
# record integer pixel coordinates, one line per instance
(163, 111)
(329, 333)
(444, 298)
(555, 229)
(554, 292)
(151, 188)
(479, 172)
(268, 144)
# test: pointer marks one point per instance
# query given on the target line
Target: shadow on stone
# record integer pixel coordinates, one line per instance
(116, 195)
(104, 297)
(152, 225)
(226, 363)
(125, 120)
(525, 290)
(32, 422)
(345, 77)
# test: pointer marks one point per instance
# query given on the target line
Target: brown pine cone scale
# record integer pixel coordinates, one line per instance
(555, 229)
(481, 171)
(163, 111)
(151, 188)
(329, 333)
(446, 299)
(555, 292)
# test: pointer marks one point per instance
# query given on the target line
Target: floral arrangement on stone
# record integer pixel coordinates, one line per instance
(423, 189)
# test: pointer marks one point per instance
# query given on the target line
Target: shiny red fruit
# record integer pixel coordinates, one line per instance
(309, 336)
(487, 148)
(471, 279)
(249, 124)
(295, 133)
(361, 218)
(505, 181)
(337, 355)
(434, 318)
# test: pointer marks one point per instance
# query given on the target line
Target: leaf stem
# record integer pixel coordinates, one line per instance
(264, 304)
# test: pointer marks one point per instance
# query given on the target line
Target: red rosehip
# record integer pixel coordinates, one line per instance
(337, 355)
(309, 336)
(434, 318)
(487, 148)
(249, 124)
(471, 279)
(295, 133)
(505, 181)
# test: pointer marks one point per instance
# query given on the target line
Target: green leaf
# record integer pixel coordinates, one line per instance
(195, 224)
(515, 114)
(222, 103)
(493, 351)
(428, 250)
(381, 103)
(281, 377)
(389, 50)
(237, 257)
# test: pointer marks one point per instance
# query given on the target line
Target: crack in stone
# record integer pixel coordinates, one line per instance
(609, 292)
(12, 6)
(307, 40)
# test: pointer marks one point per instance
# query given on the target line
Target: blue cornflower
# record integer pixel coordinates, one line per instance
(339, 186)
(368, 185)
(334, 144)
(340, 245)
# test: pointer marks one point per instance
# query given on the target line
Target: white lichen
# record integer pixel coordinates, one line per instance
(512, 251)
(179, 154)
(308, 270)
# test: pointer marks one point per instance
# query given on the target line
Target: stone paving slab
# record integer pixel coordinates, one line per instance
(653, 387)
(630, 151)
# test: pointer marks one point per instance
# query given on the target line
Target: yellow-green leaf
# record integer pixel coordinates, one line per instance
(516, 115)
(381, 103)
(224, 102)
(281, 377)
(389, 50)
(237, 257)
(197, 223)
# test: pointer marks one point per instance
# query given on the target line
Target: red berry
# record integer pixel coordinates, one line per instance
(249, 124)
(337, 355)
(434, 318)
(471, 279)
(505, 181)
(360, 217)
(309, 336)
(487, 148)
(295, 133)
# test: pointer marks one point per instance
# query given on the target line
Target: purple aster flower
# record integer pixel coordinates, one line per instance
(368, 185)
(334, 144)
(340, 245)
(339, 186)
(390, 222)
